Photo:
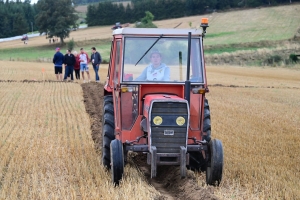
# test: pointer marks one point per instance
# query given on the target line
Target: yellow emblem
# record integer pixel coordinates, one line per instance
(157, 120)
(180, 121)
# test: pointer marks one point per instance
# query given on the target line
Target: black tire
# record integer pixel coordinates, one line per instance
(214, 169)
(197, 162)
(206, 122)
(108, 127)
(117, 161)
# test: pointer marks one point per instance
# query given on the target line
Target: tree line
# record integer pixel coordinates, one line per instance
(85, 2)
(56, 18)
(16, 17)
(107, 13)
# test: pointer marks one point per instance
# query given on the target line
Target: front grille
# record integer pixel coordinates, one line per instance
(160, 134)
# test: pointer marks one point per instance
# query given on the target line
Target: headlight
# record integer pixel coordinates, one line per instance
(157, 120)
(180, 121)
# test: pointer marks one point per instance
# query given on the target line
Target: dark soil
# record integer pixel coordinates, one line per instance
(93, 98)
(168, 181)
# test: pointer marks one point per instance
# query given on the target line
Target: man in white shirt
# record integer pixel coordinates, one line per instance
(156, 71)
(84, 59)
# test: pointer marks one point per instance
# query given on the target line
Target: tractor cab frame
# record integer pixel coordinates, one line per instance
(169, 118)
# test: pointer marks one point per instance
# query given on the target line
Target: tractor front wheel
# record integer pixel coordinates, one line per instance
(214, 168)
(117, 160)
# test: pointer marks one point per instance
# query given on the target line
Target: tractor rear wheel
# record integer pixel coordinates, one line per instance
(206, 122)
(108, 126)
(117, 161)
(197, 162)
(214, 168)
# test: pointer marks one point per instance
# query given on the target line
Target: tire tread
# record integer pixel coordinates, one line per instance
(108, 126)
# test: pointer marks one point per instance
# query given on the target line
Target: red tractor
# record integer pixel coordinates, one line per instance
(24, 37)
(154, 102)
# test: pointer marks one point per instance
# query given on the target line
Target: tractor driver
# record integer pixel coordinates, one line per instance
(156, 71)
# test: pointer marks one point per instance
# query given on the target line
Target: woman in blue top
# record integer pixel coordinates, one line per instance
(156, 71)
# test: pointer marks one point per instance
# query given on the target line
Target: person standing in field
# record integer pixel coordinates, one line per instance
(77, 65)
(84, 59)
(96, 60)
(58, 61)
(69, 61)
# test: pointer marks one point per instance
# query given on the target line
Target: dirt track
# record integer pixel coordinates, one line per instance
(168, 181)
(93, 97)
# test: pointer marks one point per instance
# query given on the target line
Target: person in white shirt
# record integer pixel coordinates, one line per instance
(156, 71)
(84, 59)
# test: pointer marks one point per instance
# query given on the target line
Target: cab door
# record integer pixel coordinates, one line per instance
(116, 83)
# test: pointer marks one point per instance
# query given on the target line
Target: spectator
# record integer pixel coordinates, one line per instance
(69, 61)
(84, 59)
(96, 60)
(77, 65)
(58, 61)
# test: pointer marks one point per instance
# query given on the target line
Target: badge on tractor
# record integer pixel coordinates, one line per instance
(154, 102)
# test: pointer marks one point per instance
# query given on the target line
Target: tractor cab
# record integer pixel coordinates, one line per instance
(154, 102)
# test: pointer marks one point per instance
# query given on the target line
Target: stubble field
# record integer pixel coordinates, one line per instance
(256, 115)
(49, 130)
(47, 148)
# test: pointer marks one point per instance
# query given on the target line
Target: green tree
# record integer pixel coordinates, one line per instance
(129, 14)
(148, 18)
(56, 18)
(20, 25)
(91, 20)
(121, 13)
(5, 28)
(71, 44)
(146, 22)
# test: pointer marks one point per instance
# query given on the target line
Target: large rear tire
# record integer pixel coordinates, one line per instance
(206, 122)
(117, 161)
(108, 126)
(197, 162)
(214, 169)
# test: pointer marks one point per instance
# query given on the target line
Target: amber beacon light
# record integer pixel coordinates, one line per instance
(204, 21)
(204, 25)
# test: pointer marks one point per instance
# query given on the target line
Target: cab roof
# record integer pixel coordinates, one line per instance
(157, 31)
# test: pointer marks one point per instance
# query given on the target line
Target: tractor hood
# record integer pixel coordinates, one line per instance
(167, 119)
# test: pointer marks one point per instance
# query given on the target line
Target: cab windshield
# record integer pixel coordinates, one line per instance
(165, 61)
